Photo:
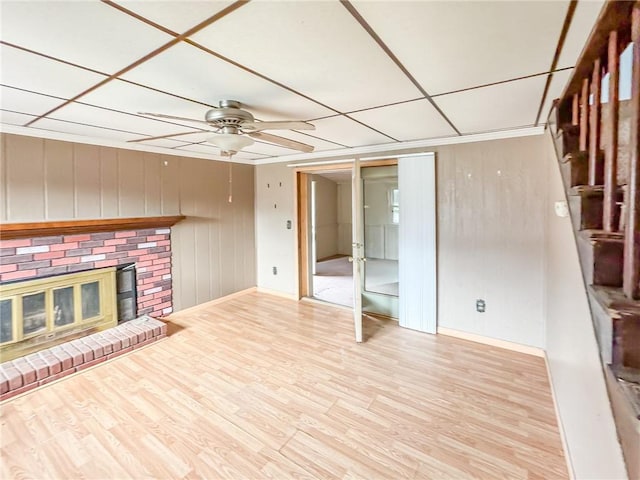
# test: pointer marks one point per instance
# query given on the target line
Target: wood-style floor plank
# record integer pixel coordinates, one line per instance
(264, 387)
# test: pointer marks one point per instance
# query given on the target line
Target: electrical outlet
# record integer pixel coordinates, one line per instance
(288, 224)
(275, 270)
(481, 306)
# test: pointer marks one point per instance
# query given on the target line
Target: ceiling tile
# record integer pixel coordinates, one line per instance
(178, 16)
(452, 45)
(84, 130)
(91, 34)
(583, 20)
(192, 73)
(14, 118)
(100, 117)
(348, 132)
(126, 97)
(27, 102)
(407, 121)
(270, 150)
(317, 48)
(40, 74)
(558, 82)
(507, 105)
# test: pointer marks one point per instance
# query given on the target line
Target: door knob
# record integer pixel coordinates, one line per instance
(350, 259)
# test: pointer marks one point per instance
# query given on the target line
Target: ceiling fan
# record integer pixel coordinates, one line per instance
(235, 128)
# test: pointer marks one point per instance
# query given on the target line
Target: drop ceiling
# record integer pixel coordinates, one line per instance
(364, 73)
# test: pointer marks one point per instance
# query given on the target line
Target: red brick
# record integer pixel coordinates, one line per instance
(17, 275)
(153, 238)
(164, 305)
(54, 363)
(55, 377)
(77, 238)
(164, 243)
(95, 347)
(148, 257)
(84, 349)
(116, 343)
(163, 293)
(144, 264)
(151, 303)
(98, 250)
(106, 263)
(147, 342)
(40, 367)
(12, 267)
(115, 241)
(26, 370)
(63, 246)
(13, 375)
(106, 345)
(18, 242)
(90, 364)
(135, 253)
(163, 272)
(76, 355)
(145, 298)
(125, 234)
(141, 335)
(48, 255)
(119, 352)
(120, 335)
(65, 359)
(18, 391)
(56, 262)
(4, 383)
(161, 261)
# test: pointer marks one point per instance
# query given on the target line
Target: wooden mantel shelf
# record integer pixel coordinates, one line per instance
(10, 231)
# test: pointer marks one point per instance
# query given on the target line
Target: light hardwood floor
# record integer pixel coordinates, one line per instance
(264, 387)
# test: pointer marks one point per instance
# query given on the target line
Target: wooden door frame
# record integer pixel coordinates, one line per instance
(301, 177)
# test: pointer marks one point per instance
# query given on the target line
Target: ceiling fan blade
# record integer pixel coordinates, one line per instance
(146, 139)
(258, 126)
(172, 117)
(283, 142)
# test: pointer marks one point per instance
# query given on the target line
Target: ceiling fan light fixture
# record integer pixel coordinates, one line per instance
(230, 142)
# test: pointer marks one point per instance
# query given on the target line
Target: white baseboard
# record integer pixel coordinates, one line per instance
(494, 342)
(277, 293)
(563, 435)
(215, 301)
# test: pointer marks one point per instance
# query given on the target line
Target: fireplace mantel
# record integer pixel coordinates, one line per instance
(10, 231)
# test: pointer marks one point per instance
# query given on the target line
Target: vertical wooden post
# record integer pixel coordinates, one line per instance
(575, 110)
(594, 122)
(584, 115)
(631, 273)
(611, 151)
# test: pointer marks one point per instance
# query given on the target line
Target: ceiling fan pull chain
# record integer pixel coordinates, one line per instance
(231, 178)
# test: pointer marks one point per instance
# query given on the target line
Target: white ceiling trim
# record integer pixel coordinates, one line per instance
(103, 142)
(402, 148)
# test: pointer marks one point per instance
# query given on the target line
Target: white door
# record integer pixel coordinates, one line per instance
(357, 247)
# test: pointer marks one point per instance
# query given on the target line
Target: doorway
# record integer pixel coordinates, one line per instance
(326, 236)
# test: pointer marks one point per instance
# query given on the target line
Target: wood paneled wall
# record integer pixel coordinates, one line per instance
(214, 248)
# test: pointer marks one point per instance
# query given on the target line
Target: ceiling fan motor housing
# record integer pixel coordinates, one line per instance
(229, 114)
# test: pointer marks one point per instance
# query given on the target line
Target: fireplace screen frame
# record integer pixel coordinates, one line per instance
(100, 316)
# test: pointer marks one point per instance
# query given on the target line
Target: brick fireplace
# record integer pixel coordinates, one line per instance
(149, 249)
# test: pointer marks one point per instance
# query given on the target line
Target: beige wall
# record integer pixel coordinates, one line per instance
(213, 249)
(326, 217)
(490, 237)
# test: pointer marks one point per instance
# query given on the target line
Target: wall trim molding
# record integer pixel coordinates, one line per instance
(105, 142)
(403, 148)
(494, 342)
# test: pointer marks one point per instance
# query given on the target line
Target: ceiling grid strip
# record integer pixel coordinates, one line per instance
(150, 55)
(563, 35)
(360, 19)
